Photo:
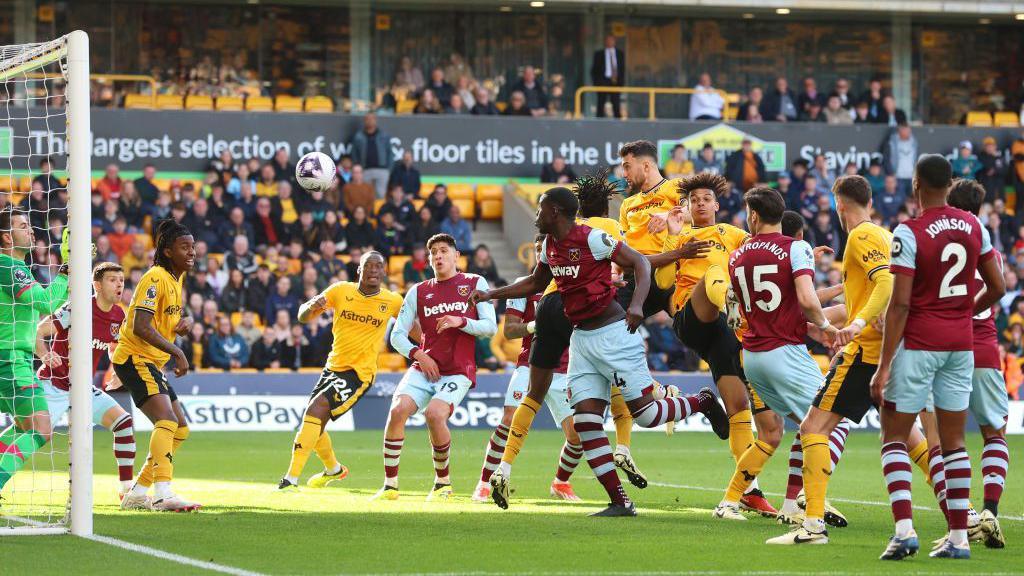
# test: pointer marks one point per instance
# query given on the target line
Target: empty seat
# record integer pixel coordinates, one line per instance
(466, 208)
(319, 104)
(460, 191)
(288, 104)
(979, 118)
(405, 107)
(168, 102)
(230, 103)
(491, 209)
(396, 264)
(138, 102)
(259, 104)
(1006, 119)
(198, 102)
(489, 192)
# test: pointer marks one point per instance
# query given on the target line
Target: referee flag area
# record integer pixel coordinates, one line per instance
(246, 527)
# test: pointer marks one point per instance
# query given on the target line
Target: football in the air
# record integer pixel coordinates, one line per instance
(316, 172)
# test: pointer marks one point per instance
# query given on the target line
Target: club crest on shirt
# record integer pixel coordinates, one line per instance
(464, 290)
(383, 307)
(517, 395)
(114, 329)
(574, 254)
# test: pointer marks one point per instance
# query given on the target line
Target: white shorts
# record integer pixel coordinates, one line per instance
(557, 398)
(59, 402)
(786, 378)
(918, 375)
(448, 389)
(989, 402)
(607, 356)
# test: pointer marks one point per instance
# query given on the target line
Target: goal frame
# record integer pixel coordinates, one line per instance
(75, 51)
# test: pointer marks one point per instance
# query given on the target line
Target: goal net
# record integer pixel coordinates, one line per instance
(45, 463)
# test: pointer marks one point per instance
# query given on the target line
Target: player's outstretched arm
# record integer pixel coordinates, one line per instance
(829, 293)
(44, 330)
(313, 308)
(46, 300)
(808, 300)
(537, 281)
(401, 341)
(143, 328)
(995, 286)
(485, 324)
(626, 257)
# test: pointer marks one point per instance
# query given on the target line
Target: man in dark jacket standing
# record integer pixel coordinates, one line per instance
(371, 149)
(606, 70)
(744, 168)
(780, 105)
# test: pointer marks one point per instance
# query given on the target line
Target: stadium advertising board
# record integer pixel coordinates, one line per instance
(185, 141)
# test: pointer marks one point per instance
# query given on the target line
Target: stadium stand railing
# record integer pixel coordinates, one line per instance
(652, 93)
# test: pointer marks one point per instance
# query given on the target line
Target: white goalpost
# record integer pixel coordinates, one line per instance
(44, 116)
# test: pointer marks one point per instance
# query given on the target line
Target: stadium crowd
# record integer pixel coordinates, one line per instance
(264, 245)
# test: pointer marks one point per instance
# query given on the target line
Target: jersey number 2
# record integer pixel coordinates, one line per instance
(958, 254)
(760, 285)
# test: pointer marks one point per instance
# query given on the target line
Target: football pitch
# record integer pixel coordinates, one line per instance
(246, 528)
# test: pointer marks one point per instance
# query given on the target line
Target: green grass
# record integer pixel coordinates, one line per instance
(245, 524)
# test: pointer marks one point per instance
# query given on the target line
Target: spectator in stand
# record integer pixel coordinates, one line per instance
(136, 258)
(240, 258)
(358, 193)
(216, 276)
(706, 103)
(729, 205)
(678, 165)
(664, 349)
(110, 185)
(267, 230)
(813, 114)
(408, 76)
(744, 168)
(872, 97)
(439, 203)
(824, 230)
(889, 202)
(784, 184)
(198, 283)
(267, 184)
(103, 253)
(282, 325)
(417, 269)
(875, 176)
(232, 297)
(424, 226)
(900, 156)
(51, 184)
(809, 96)
(202, 226)
(397, 205)
(202, 256)
(861, 114)
(707, 161)
(359, 232)
(257, 290)
(388, 239)
(458, 229)
(808, 204)
(120, 239)
(130, 206)
(465, 91)
(824, 174)
(306, 233)
(317, 206)
(482, 264)
(345, 169)
(750, 110)
(284, 207)
(482, 105)
(890, 114)
(780, 105)
(441, 89)
(606, 70)
(993, 169)
(220, 205)
(517, 105)
(242, 176)
(237, 226)
(966, 165)
(283, 168)
(842, 90)
(192, 345)
(529, 86)
(282, 298)
(835, 113)
(428, 103)
(266, 352)
(355, 254)
(332, 228)
(295, 349)
(225, 349)
(405, 175)
(457, 105)
(145, 186)
(557, 172)
(371, 149)
(1016, 171)
(330, 265)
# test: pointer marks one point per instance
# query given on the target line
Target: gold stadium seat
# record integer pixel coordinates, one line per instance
(460, 191)
(396, 264)
(25, 183)
(405, 106)
(488, 192)
(491, 209)
(319, 104)
(288, 104)
(979, 118)
(168, 102)
(198, 102)
(8, 182)
(230, 103)
(466, 207)
(138, 102)
(426, 188)
(463, 262)
(1006, 120)
(259, 104)
(376, 206)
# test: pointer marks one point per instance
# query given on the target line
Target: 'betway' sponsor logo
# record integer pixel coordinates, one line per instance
(565, 271)
(363, 318)
(97, 345)
(445, 308)
(945, 224)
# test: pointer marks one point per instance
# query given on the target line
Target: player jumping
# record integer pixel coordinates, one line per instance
(445, 364)
(107, 317)
(361, 315)
(927, 348)
(604, 348)
(154, 317)
(773, 278)
(22, 302)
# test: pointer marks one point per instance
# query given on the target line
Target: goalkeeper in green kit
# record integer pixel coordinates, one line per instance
(22, 302)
